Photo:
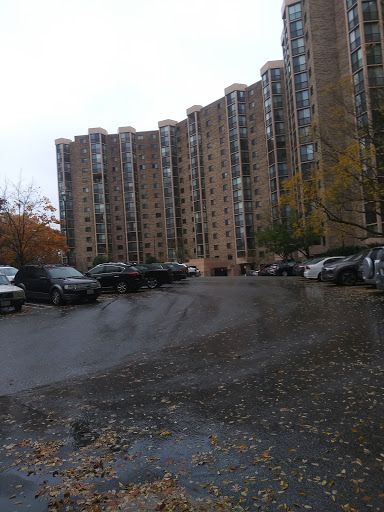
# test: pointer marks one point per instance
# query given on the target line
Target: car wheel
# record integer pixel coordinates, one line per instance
(18, 308)
(347, 278)
(152, 283)
(122, 287)
(284, 273)
(319, 276)
(56, 298)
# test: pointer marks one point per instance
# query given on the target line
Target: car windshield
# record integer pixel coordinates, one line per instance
(64, 272)
(9, 271)
(4, 280)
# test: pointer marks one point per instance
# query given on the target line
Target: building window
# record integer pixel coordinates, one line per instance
(298, 46)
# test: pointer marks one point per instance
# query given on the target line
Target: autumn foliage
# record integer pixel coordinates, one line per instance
(344, 190)
(27, 234)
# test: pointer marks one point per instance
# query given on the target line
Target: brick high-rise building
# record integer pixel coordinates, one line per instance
(198, 190)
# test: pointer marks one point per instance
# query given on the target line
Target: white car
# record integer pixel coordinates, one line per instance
(8, 271)
(313, 268)
(10, 295)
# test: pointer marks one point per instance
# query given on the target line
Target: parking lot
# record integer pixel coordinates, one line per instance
(250, 392)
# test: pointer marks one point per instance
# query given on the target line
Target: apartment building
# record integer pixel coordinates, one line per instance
(199, 189)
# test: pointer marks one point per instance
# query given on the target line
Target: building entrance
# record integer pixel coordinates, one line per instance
(220, 272)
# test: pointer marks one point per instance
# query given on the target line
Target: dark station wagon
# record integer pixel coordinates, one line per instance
(59, 283)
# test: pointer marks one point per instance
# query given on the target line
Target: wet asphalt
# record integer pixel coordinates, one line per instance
(267, 391)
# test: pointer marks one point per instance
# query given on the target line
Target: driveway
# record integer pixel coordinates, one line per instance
(250, 392)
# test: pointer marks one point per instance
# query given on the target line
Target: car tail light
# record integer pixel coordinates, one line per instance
(308, 267)
(135, 273)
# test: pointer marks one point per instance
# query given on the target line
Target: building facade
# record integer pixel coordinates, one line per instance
(199, 189)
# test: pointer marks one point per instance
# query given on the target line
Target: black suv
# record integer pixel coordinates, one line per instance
(59, 283)
(121, 277)
(154, 277)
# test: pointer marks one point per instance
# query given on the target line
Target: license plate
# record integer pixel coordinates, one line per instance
(90, 292)
(5, 303)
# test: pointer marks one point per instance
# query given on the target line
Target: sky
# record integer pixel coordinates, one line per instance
(79, 64)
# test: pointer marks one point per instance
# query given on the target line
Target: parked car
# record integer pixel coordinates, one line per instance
(313, 268)
(264, 271)
(271, 269)
(59, 283)
(300, 267)
(192, 271)
(179, 271)
(380, 274)
(121, 277)
(252, 273)
(10, 295)
(283, 269)
(369, 267)
(154, 277)
(344, 272)
(8, 271)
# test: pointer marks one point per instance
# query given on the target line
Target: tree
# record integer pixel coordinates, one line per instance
(344, 191)
(151, 259)
(288, 237)
(101, 258)
(26, 232)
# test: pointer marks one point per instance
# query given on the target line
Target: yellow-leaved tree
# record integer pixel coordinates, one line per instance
(343, 191)
(27, 233)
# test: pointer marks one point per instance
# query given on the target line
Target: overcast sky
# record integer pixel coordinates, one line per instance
(67, 66)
